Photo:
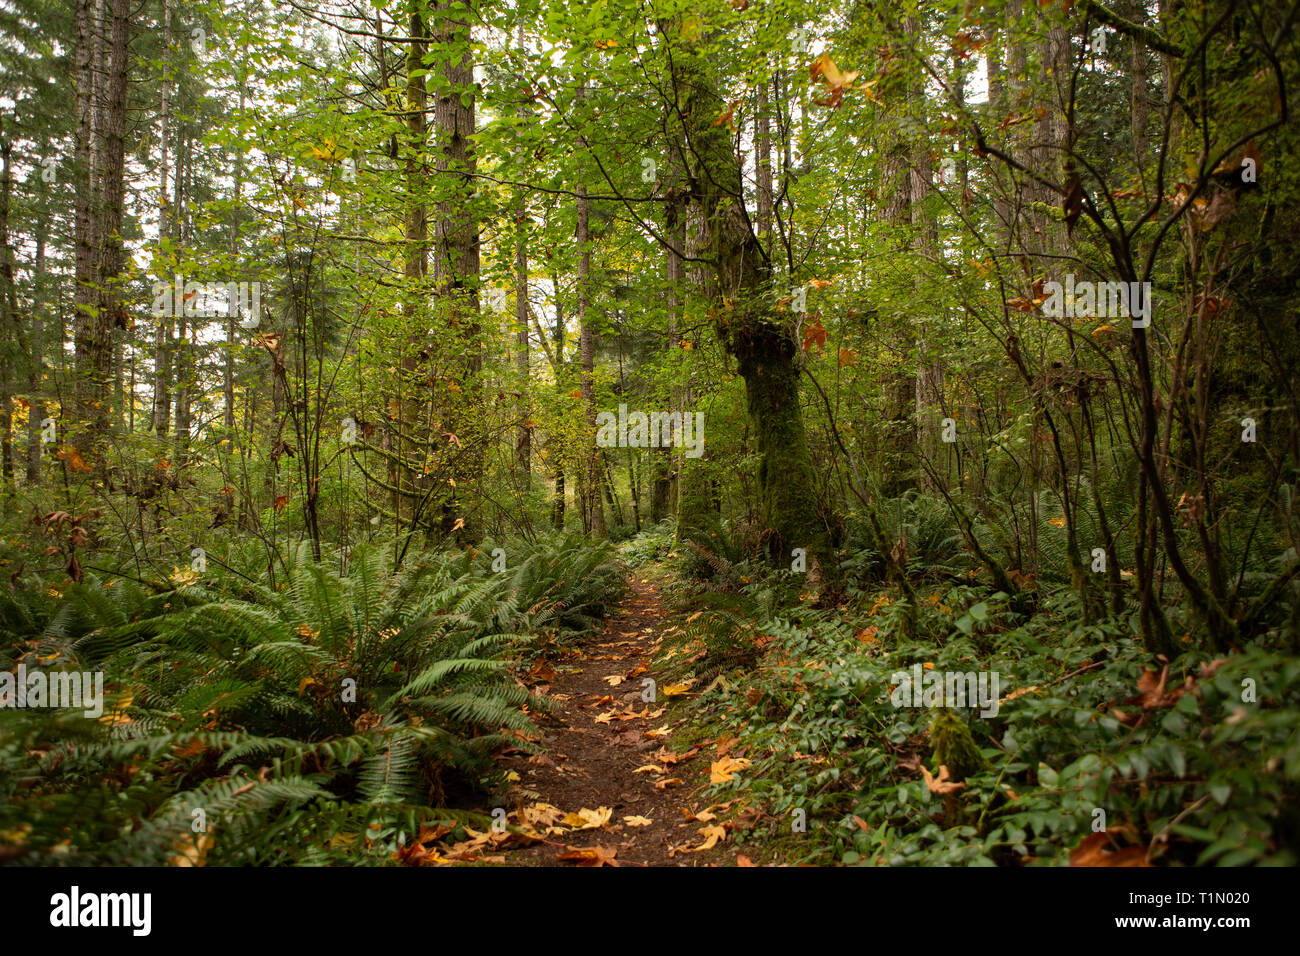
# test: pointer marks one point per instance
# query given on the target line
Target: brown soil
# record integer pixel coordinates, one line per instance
(591, 756)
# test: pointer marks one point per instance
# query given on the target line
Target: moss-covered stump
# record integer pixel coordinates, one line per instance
(954, 747)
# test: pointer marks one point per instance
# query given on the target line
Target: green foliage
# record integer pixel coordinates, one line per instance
(308, 720)
(1208, 775)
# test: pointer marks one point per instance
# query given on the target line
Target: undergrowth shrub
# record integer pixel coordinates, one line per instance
(315, 717)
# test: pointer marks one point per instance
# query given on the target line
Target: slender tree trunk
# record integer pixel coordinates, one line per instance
(559, 498)
(183, 349)
(162, 399)
(35, 385)
(593, 512)
(456, 254)
(11, 325)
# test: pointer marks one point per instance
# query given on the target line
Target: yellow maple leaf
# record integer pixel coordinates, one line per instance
(712, 834)
(721, 771)
(586, 819)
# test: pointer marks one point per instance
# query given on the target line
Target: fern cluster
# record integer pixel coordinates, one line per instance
(311, 718)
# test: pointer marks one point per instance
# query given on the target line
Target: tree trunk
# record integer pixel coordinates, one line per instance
(456, 253)
(11, 325)
(753, 330)
(593, 511)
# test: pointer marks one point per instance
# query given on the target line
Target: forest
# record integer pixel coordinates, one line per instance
(676, 433)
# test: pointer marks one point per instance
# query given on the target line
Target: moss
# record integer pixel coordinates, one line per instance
(954, 747)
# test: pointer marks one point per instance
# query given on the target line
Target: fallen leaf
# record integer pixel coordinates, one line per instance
(712, 834)
(940, 784)
(586, 819)
(721, 771)
(1093, 851)
(589, 856)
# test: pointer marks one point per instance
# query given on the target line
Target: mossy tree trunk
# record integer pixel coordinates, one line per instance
(758, 333)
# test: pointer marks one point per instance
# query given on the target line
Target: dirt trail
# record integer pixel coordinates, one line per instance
(595, 746)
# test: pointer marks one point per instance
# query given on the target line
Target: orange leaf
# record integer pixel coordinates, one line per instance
(590, 856)
(813, 334)
(1092, 851)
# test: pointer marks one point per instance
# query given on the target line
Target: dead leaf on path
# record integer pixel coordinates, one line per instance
(721, 771)
(590, 856)
(628, 714)
(676, 690)
(650, 768)
(540, 815)
(586, 819)
(614, 680)
(637, 821)
(666, 756)
(662, 784)
(657, 733)
(712, 834)
(742, 860)
(704, 816)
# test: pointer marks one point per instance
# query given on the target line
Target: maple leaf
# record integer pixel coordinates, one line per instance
(712, 834)
(813, 334)
(664, 784)
(638, 821)
(590, 856)
(541, 815)
(721, 771)
(586, 819)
